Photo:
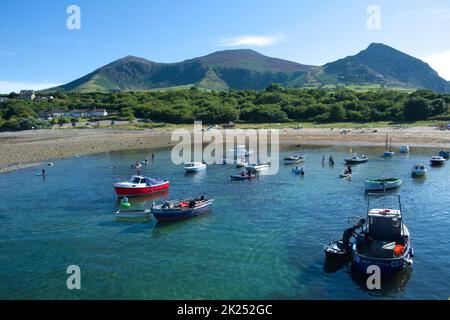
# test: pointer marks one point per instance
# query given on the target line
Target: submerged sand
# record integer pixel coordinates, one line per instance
(27, 148)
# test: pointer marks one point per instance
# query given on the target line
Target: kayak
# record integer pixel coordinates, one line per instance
(241, 177)
(345, 175)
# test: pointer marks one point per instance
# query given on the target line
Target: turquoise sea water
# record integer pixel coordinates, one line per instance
(262, 240)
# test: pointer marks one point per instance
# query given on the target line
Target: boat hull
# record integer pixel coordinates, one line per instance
(130, 191)
(239, 177)
(437, 163)
(356, 161)
(361, 263)
(388, 154)
(382, 185)
(166, 215)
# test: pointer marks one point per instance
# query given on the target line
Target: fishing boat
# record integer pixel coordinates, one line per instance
(298, 170)
(294, 159)
(418, 170)
(445, 155)
(388, 153)
(181, 209)
(404, 149)
(382, 184)
(134, 214)
(258, 167)
(437, 161)
(138, 186)
(355, 159)
(243, 176)
(384, 242)
(195, 167)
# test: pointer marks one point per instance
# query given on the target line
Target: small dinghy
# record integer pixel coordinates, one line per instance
(257, 167)
(437, 161)
(419, 170)
(134, 214)
(382, 184)
(243, 176)
(355, 159)
(404, 149)
(294, 159)
(195, 167)
(335, 250)
(345, 175)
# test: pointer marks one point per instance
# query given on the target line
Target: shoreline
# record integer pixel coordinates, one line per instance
(25, 149)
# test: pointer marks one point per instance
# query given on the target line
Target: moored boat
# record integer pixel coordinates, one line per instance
(418, 170)
(336, 250)
(388, 153)
(258, 167)
(134, 214)
(139, 186)
(382, 184)
(355, 159)
(294, 159)
(384, 242)
(243, 176)
(444, 154)
(181, 209)
(404, 149)
(195, 167)
(437, 161)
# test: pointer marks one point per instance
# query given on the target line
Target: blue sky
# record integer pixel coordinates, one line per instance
(38, 50)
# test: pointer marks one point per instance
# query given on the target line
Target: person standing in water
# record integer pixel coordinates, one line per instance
(43, 173)
(153, 156)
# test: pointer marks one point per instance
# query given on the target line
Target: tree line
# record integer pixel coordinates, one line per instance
(275, 104)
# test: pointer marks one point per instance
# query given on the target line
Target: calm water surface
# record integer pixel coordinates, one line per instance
(263, 239)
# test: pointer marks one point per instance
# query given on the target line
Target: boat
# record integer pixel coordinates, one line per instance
(384, 242)
(404, 149)
(195, 167)
(181, 209)
(437, 161)
(241, 151)
(138, 186)
(345, 175)
(294, 159)
(243, 176)
(298, 170)
(355, 159)
(382, 184)
(388, 153)
(257, 167)
(419, 170)
(335, 250)
(134, 214)
(445, 155)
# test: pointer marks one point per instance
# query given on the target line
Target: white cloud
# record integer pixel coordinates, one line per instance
(435, 14)
(440, 62)
(252, 40)
(13, 86)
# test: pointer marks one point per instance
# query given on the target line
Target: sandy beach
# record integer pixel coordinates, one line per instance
(29, 148)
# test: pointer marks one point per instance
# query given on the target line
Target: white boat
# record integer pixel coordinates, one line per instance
(382, 184)
(257, 167)
(419, 170)
(355, 159)
(437, 161)
(241, 151)
(241, 163)
(195, 167)
(404, 149)
(134, 214)
(294, 159)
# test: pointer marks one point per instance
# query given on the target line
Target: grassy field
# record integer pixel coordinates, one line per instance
(288, 125)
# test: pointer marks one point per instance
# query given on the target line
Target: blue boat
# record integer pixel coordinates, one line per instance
(181, 209)
(445, 155)
(384, 242)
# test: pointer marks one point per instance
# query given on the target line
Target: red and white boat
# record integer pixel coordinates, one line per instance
(139, 186)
